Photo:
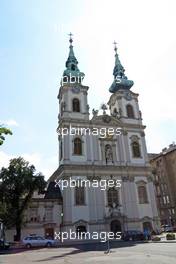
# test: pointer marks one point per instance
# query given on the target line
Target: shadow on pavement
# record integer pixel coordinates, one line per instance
(17, 250)
(91, 247)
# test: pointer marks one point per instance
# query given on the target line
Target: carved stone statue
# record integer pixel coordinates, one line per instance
(108, 153)
(107, 211)
(94, 112)
(104, 108)
(120, 112)
(63, 105)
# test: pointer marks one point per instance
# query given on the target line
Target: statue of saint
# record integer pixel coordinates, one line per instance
(108, 153)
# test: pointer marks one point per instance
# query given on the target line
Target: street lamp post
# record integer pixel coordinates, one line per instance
(61, 224)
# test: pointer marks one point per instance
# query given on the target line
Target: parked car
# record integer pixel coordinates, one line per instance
(4, 244)
(133, 235)
(37, 241)
(166, 228)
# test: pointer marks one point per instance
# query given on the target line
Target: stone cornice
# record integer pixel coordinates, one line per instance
(120, 95)
(100, 170)
(90, 124)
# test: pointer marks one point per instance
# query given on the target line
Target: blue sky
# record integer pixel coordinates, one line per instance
(33, 51)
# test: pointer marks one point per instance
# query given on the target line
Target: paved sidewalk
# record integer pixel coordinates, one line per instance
(123, 253)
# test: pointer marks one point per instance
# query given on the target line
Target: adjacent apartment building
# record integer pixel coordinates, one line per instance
(164, 171)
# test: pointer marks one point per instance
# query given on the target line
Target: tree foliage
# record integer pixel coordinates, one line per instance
(18, 183)
(4, 131)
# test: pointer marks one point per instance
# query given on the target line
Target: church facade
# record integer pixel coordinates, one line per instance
(107, 149)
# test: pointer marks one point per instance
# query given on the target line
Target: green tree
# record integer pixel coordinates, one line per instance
(4, 131)
(18, 183)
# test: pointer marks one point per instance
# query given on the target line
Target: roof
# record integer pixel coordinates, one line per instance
(53, 191)
(164, 152)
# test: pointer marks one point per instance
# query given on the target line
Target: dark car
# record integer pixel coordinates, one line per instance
(4, 244)
(133, 235)
(166, 228)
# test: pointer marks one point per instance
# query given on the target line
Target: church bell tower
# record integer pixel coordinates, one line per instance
(72, 94)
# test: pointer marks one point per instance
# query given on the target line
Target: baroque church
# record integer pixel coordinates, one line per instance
(88, 157)
(116, 157)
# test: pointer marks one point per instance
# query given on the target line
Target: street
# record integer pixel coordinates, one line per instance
(124, 253)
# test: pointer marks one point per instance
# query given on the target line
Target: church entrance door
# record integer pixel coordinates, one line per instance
(115, 226)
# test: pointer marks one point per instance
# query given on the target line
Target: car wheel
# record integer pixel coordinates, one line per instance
(28, 245)
(49, 244)
(7, 247)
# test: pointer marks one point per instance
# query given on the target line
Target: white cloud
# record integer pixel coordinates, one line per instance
(46, 165)
(4, 159)
(10, 122)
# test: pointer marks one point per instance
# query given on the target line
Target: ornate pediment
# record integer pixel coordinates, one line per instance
(80, 222)
(106, 120)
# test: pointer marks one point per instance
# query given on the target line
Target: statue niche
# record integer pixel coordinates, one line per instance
(108, 154)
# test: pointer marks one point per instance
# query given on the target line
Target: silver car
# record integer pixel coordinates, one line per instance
(38, 241)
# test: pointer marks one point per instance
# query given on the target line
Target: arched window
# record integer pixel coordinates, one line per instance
(142, 195)
(130, 111)
(65, 79)
(115, 111)
(79, 195)
(113, 197)
(76, 105)
(77, 146)
(136, 149)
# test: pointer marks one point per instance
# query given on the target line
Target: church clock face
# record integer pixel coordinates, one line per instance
(75, 89)
(128, 96)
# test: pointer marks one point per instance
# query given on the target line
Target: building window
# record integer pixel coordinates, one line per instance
(33, 215)
(160, 201)
(164, 200)
(136, 149)
(115, 111)
(76, 105)
(167, 199)
(130, 111)
(65, 79)
(79, 195)
(77, 146)
(113, 197)
(142, 194)
(48, 214)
